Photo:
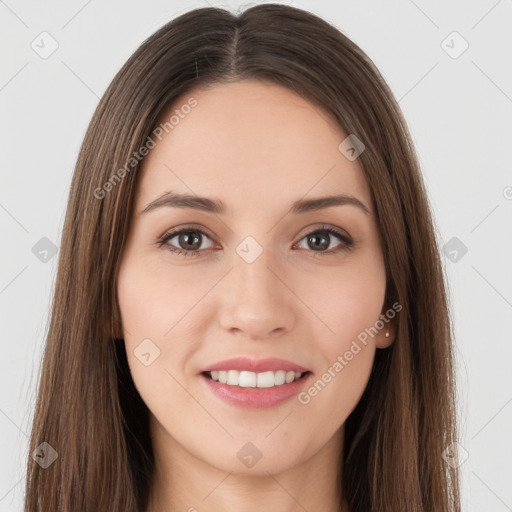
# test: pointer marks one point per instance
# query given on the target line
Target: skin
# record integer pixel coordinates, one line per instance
(258, 147)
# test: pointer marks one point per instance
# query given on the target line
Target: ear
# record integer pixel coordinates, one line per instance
(386, 336)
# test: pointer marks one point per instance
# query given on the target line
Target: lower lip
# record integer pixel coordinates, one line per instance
(256, 398)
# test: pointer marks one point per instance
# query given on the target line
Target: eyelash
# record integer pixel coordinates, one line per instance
(347, 243)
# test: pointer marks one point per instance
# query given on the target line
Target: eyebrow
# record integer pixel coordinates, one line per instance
(174, 200)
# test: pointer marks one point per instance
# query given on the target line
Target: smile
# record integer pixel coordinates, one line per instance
(265, 394)
(246, 379)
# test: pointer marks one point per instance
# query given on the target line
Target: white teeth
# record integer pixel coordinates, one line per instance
(265, 380)
(279, 377)
(247, 379)
(232, 378)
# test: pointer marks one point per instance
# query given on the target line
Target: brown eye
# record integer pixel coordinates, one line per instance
(188, 241)
(320, 240)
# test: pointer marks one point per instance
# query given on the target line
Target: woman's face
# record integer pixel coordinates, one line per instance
(263, 282)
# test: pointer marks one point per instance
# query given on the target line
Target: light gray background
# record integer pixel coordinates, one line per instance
(458, 110)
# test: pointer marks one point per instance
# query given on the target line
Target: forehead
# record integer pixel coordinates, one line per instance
(250, 143)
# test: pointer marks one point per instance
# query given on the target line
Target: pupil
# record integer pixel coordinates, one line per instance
(315, 238)
(188, 239)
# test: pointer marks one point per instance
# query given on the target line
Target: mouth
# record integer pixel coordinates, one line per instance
(248, 379)
(251, 390)
(255, 383)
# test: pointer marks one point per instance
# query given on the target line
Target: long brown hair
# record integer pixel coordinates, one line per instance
(88, 409)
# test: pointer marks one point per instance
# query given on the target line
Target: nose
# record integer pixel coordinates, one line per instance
(259, 302)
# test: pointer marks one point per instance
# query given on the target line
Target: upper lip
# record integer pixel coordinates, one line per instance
(255, 365)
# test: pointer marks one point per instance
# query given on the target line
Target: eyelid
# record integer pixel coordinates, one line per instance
(313, 228)
(168, 235)
(343, 236)
(186, 227)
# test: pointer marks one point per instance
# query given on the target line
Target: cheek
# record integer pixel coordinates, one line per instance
(349, 303)
(158, 317)
(152, 299)
(333, 394)
(347, 299)
(347, 357)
